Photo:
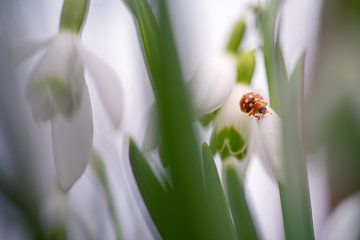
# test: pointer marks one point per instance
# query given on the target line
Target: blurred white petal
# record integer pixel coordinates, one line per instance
(107, 83)
(57, 80)
(344, 222)
(272, 141)
(22, 51)
(212, 83)
(72, 143)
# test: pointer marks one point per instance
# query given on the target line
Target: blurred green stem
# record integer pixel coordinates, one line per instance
(100, 170)
(236, 36)
(73, 15)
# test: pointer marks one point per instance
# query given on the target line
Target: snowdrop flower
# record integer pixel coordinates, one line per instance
(58, 93)
(231, 136)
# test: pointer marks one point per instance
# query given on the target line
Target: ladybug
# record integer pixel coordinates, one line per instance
(253, 104)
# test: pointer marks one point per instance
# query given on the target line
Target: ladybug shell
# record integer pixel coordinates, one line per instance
(248, 101)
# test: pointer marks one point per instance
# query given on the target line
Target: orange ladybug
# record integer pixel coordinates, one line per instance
(253, 104)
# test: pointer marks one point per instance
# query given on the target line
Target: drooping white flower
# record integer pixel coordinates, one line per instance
(231, 136)
(58, 92)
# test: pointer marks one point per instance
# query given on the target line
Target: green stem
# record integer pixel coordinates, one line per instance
(100, 170)
(73, 15)
(236, 37)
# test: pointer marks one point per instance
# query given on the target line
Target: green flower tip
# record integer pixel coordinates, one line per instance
(49, 96)
(228, 142)
(236, 36)
(73, 15)
(246, 62)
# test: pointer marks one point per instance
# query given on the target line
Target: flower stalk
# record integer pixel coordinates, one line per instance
(73, 15)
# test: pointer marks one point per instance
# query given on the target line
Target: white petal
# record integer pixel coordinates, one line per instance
(151, 138)
(60, 65)
(72, 143)
(59, 57)
(212, 83)
(272, 140)
(231, 115)
(22, 51)
(107, 83)
(344, 222)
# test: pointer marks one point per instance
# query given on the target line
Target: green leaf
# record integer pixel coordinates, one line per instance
(178, 140)
(219, 215)
(266, 18)
(244, 224)
(158, 200)
(294, 194)
(296, 85)
(245, 67)
(149, 35)
(236, 36)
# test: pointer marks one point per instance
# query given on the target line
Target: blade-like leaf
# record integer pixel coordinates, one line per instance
(180, 148)
(294, 193)
(149, 35)
(244, 224)
(296, 85)
(158, 201)
(219, 215)
(266, 18)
